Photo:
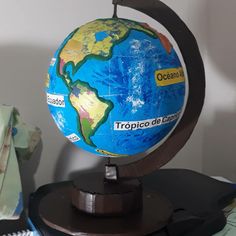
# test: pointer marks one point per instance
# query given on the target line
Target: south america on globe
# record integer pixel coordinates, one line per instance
(116, 87)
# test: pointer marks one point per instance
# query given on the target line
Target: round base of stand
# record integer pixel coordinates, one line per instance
(58, 212)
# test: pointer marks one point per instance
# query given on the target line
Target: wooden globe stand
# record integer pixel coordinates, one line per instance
(114, 203)
(101, 207)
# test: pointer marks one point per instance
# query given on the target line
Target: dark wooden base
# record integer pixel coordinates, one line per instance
(201, 202)
(95, 195)
(58, 213)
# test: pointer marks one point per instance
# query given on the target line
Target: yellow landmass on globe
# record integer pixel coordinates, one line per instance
(91, 109)
(84, 42)
(90, 104)
(47, 81)
(104, 152)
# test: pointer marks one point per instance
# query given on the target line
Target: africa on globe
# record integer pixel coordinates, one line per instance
(116, 87)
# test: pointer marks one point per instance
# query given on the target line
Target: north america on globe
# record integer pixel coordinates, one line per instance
(116, 87)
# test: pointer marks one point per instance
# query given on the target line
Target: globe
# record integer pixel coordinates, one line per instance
(116, 87)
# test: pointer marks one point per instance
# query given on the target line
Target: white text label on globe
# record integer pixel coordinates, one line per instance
(145, 124)
(55, 100)
(73, 138)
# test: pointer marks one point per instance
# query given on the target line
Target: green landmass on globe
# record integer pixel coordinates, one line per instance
(93, 110)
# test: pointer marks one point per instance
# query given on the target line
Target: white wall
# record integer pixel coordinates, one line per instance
(30, 31)
(219, 137)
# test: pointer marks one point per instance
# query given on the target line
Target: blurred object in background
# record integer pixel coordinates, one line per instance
(17, 143)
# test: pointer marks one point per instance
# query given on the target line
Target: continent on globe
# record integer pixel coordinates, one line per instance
(92, 110)
(111, 86)
(103, 152)
(96, 39)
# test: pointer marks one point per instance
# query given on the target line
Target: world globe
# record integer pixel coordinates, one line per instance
(116, 87)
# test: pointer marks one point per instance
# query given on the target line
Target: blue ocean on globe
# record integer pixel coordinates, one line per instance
(116, 87)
